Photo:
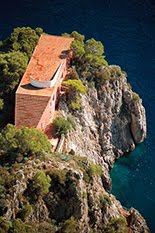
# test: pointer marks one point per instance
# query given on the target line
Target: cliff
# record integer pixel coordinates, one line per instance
(71, 194)
(111, 123)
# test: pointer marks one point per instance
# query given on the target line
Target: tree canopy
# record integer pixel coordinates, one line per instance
(74, 85)
(23, 39)
(88, 55)
(15, 53)
(62, 125)
(41, 183)
(12, 67)
(24, 141)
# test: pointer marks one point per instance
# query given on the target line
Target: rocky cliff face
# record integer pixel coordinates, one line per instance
(112, 121)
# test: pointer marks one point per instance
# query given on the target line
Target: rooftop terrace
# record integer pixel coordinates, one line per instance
(47, 57)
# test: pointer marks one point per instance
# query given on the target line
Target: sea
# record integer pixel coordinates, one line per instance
(127, 30)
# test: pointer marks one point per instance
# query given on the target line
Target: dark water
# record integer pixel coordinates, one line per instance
(127, 29)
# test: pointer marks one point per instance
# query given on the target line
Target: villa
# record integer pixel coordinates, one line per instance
(38, 91)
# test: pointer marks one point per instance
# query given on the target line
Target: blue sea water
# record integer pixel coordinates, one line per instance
(127, 29)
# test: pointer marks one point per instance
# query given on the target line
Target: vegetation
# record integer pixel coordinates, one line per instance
(1, 104)
(74, 87)
(62, 125)
(22, 150)
(89, 169)
(22, 142)
(103, 75)
(94, 170)
(73, 75)
(12, 67)
(15, 52)
(4, 225)
(19, 226)
(104, 201)
(70, 226)
(64, 202)
(88, 55)
(115, 71)
(117, 225)
(25, 212)
(22, 39)
(41, 183)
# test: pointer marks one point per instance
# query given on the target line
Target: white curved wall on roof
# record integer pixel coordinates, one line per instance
(44, 84)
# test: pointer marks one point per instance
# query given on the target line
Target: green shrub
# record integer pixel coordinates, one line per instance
(75, 104)
(1, 104)
(62, 125)
(78, 49)
(104, 201)
(25, 211)
(23, 39)
(41, 183)
(57, 176)
(77, 36)
(89, 169)
(4, 225)
(72, 122)
(87, 55)
(70, 226)
(115, 71)
(117, 225)
(74, 85)
(103, 76)
(25, 141)
(18, 226)
(12, 67)
(46, 227)
(94, 170)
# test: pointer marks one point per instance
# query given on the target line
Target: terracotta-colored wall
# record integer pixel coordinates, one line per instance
(29, 109)
(36, 111)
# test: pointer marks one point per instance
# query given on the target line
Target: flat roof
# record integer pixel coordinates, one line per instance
(46, 58)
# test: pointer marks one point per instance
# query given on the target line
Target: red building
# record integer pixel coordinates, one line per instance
(36, 96)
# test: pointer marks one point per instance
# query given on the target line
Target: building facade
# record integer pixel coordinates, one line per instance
(37, 93)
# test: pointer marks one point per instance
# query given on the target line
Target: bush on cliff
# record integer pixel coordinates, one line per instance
(41, 183)
(74, 87)
(4, 225)
(24, 141)
(70, 226)
(88, 55)
(62, 125)
(117, 225)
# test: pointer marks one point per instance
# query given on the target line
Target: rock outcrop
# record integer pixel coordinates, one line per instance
(110, 123)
